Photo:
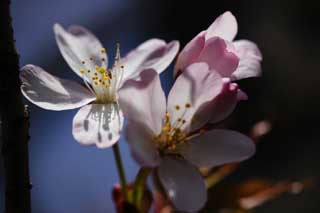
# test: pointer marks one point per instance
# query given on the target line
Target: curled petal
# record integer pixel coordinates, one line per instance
(50, 92)
(218, 56)
(143, 101)
(183, 184)
(190, 53)
(224, 104)
(143, 150)
(77, 45)
(217, 147)
(250, 60)
(153, 54)
(242, 96)
(225, 26)
(195, 87)
(98, 124)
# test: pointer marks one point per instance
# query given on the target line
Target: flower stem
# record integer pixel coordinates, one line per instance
(120, 168)
(139, 186)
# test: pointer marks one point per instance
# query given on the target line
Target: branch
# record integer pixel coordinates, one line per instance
(14, 120)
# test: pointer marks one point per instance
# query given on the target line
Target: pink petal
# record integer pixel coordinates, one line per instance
(153, 54)
(225, 26)
(196, 86)
(98, 124)
(78, 44)
(218, 147)
(143, 150)
(50, 92)
(217, 55)
(250, 60)
(183, 184)
(144, 101)
(190, 53)
(224, 104)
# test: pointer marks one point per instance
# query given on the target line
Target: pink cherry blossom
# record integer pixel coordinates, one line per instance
(99, 119)
(234, 60)
(167, 135)
(215, 46)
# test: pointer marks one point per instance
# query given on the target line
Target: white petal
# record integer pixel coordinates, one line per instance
(250, 60)
(78, 44)
(183, 184)
(50, 92)
(98, 124)
(153, 54)
(218, 147)
(144, 101)
(225, 26)
(143, 149)
(196, 86)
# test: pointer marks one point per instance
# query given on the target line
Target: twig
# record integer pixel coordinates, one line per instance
(14, 120)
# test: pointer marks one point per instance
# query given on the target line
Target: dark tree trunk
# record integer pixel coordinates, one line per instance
(14, 120)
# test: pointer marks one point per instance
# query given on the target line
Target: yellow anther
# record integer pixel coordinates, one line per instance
(82, 71)
(103, 50)
(101, 70)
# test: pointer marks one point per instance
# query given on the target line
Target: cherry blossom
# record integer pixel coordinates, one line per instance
(99, 120)
(168, 135)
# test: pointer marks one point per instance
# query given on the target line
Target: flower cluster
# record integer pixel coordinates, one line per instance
(173, 136)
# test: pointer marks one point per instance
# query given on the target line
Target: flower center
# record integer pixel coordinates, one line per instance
(172, 134)
(101, 81)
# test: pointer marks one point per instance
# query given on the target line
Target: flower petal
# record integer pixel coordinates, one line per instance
(78, 44)
(183, 184)
(225, 26)
(98, 124)
(242, 96)
(50, 92)
(144, 101)
(223, 105)
(153, 54)
(218, 147)
(190, 53)
(250, 60)
(143, 150)
(196, 86)
(217, 55)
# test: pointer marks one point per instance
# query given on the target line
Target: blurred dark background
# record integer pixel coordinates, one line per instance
(70, 178)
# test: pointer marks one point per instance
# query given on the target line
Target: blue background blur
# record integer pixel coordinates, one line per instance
(70, 178)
